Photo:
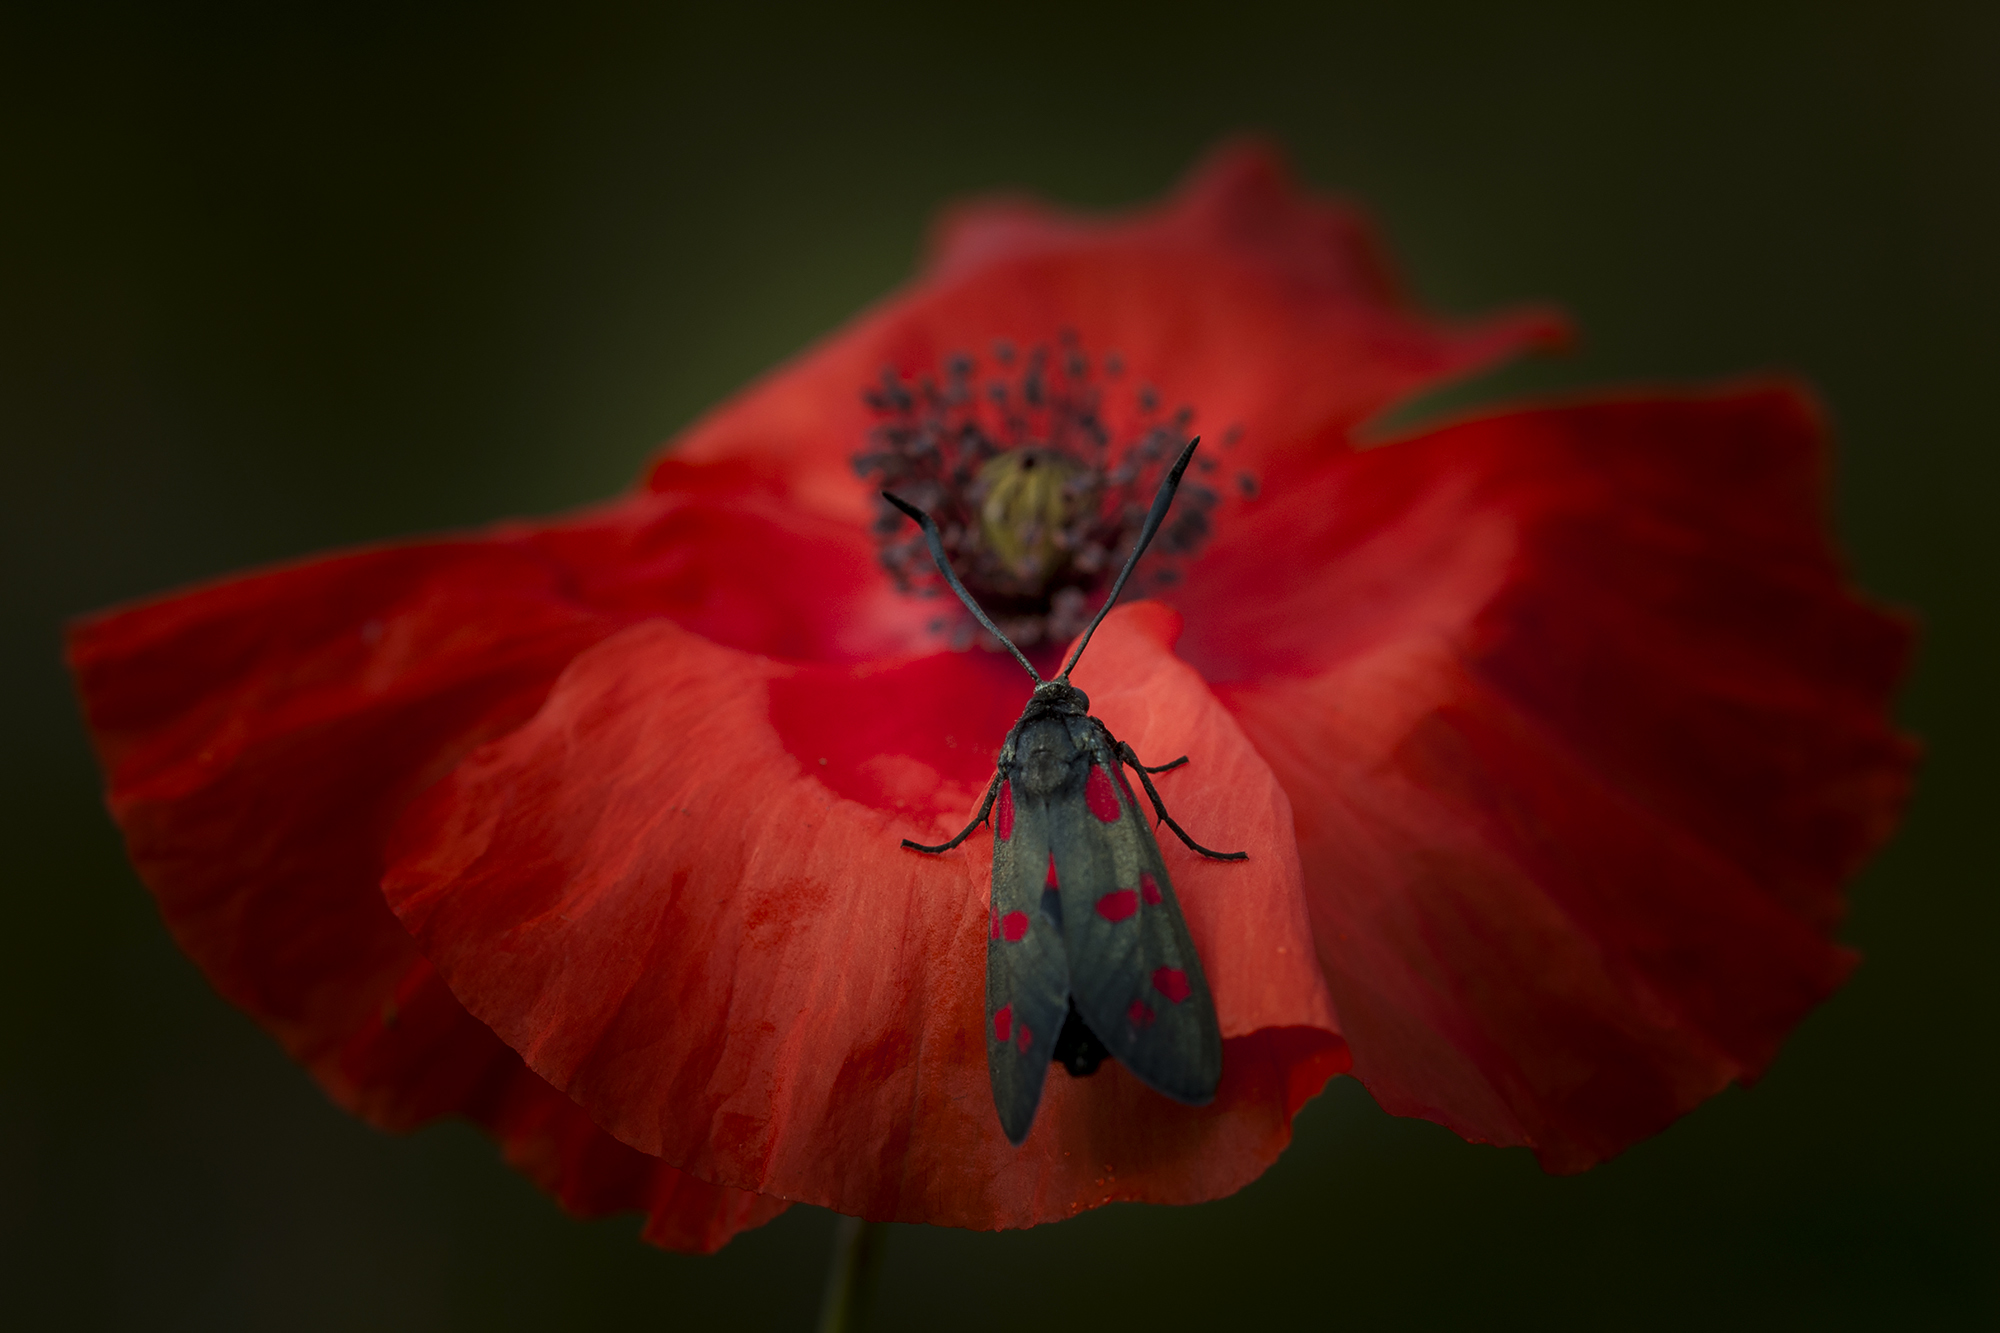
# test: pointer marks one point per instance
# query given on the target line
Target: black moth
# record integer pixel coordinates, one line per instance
(1087, 954)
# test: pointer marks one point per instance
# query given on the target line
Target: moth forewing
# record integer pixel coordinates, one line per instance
(1135, 976)
(1027, 971)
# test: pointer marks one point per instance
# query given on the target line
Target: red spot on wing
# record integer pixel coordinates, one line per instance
(1013, 926)
(1003, 812)
(1172, 983)
(1118, 904)
(1149, 886)
(1003, 1024)
(1050, 882)
(1023, 1038)
(1100, 796)
(1140, 1013)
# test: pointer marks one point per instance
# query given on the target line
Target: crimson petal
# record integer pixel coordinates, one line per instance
(1585, 730)
(261, 735)
(678, 892)
(1266, 309)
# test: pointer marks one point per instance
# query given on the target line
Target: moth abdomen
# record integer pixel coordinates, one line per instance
(1079, 1050)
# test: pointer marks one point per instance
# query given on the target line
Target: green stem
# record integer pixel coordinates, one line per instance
(850, 1279)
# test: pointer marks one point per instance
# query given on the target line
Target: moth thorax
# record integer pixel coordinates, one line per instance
(1029, 501)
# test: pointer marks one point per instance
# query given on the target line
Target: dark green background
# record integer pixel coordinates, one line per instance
(269, 285)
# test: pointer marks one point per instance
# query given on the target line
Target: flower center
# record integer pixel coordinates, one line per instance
(1029, 501)
(1039, 477)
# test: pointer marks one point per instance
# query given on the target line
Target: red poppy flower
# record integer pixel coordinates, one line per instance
(1551, 735)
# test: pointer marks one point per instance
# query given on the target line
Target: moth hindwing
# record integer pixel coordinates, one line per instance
(1087, 951)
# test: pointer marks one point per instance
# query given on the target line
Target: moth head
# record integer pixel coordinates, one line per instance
(1059, 696)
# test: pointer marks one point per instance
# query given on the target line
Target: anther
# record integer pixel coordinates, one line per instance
(1036, 487)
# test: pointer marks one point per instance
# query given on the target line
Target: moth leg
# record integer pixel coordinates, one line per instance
(1155, 768)
(985, 808)
(1130, 757)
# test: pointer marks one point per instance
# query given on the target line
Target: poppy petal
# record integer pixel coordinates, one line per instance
(678, 892)
(260, 736)
(423, 1056)
(1265, 309)
(1585, 730)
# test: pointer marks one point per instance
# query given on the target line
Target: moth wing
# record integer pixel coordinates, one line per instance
(1134, 973)
(1027, 974)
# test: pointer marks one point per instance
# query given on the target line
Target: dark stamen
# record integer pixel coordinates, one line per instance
(1038, 468)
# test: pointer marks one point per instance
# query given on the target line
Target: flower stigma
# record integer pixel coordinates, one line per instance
(1039, 480)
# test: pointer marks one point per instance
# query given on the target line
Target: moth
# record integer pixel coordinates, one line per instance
(1087, 954)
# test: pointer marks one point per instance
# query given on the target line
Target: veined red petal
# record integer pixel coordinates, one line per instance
(261, 735)
(1262, 307)
(424, 1057)
(1584, 729)
(716, 946)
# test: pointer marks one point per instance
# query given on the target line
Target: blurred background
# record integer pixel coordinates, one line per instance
(280, 278)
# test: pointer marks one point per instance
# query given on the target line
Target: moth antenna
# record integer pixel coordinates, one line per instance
(924, 521)
(1168, 485)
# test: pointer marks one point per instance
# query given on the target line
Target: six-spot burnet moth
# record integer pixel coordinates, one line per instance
(1086, 951)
